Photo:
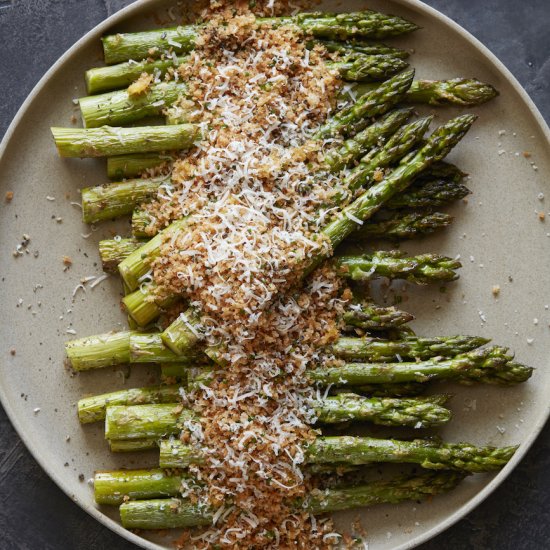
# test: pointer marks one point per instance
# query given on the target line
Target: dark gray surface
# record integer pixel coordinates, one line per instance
(34, 513)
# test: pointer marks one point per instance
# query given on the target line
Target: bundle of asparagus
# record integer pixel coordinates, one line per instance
(392, 181)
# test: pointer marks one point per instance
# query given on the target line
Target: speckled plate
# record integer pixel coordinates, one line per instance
(497, 233)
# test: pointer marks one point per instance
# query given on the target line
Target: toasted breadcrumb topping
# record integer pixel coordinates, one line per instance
(254, 193)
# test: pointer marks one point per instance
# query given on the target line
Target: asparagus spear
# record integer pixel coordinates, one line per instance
(368, 68)
(116, 348)
(146, 421)
(352, 47)
(400, 225)
(429, 194)
(486, 365)
(157, 420)
(132, 445)
(111, 251)
(130, 166)
(108, 141)
(182, 513)
(354, 118)
(120, 108)
(416, 412)
(413, 347)
(458, 91)
(403, 225)
(386, 411)
(366, 24)
(401, 142)
(114, 77)
(427, 453)
(394, 264)
(113, 487)
(140, 224)
(365, 140)
(431, 454)
(92, 409)
(372, 317)
(463, 92)
(114, 200)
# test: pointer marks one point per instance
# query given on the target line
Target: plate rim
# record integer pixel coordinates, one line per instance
(96, 513)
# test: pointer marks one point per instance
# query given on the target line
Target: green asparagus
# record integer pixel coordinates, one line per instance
(107, 141)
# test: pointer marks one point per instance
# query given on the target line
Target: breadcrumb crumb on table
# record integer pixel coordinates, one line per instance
(9, 196)
(67, 261)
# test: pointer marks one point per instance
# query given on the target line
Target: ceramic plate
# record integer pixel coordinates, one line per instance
(497, 233)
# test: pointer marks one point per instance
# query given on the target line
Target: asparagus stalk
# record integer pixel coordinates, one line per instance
(146, 421)
(93, 352)
(429, 194)
(120, 107)
(365, 140)
(462, 92)
(113, 487)
(403, 226)
(415, 412)
(130, 166)
(182, 335)
(394, 264)
(137, 264)
(140, 223)
(351, 48)
(368, 68)
(114, 77)
(132, 445)
(365, 24)
(354, 118)
(372, 317)
(183, 513)
(485, 365)
(92, 409)
(112, 251)
(116, 348)
(401, 142)
(413, 347)
(114, 200)
(157, 420)
(399, 226)
(458, 91)
(431, 454)
(108, 141)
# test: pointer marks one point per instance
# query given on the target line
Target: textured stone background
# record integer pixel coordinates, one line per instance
(34, 513)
